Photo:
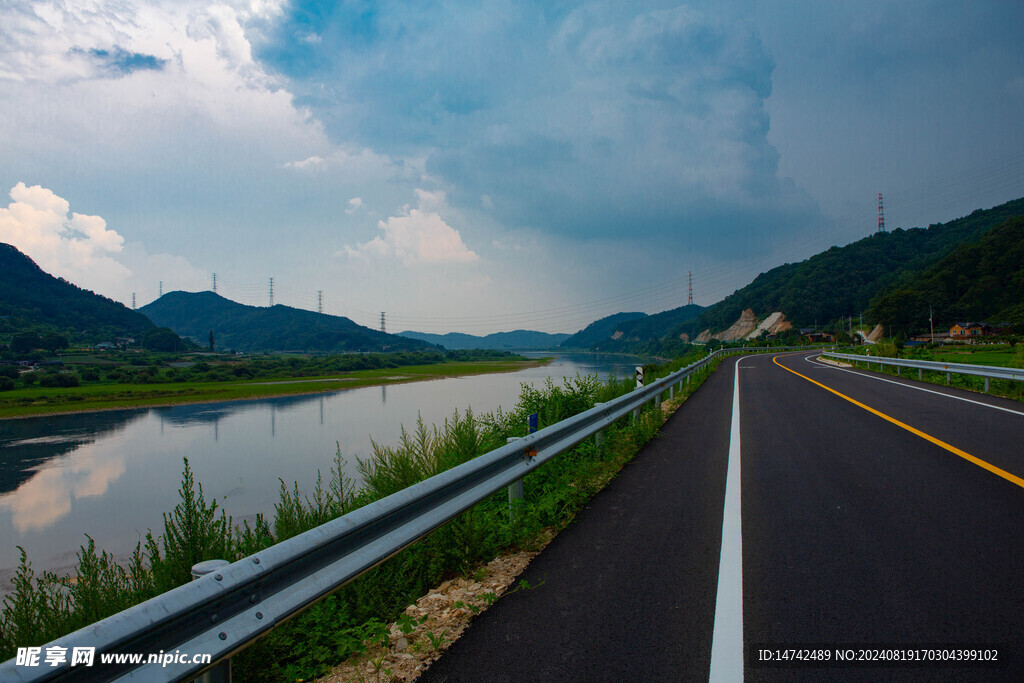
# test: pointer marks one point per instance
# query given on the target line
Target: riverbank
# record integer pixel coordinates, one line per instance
(38, 401)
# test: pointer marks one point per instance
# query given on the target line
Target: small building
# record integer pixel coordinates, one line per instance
(970, 330)
(104, 346)
(816, 337)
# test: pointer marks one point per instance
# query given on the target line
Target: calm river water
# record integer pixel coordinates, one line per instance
(113, 474)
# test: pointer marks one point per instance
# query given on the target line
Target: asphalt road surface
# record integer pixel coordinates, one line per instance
(795, 521)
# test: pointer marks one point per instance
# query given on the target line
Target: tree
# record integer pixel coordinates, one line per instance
(52, 341)
(24, 342)
(162, 339)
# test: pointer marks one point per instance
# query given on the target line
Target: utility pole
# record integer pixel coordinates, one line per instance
(161, 289)
(215, 283)
(881, 214)
(319, 301)
(689, 295)
(931, 326)
(382, 322)
(271, 292)
(133, 301)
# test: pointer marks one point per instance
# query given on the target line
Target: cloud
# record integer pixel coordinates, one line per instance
(123, 84)
(74, 246)
(312, 164)
(82, 250)
(354, 205)
(416, 236)
(590, 120)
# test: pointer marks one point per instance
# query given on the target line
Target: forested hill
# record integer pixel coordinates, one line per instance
(844, 280)
(600, 331)
(33, 300)
(978, 281)
(276, 328)
(650, 334)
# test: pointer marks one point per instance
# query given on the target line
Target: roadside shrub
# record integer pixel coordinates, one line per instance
(146, 375)
(89, 374)
(6, 383)
(60, 379)
(30, 378)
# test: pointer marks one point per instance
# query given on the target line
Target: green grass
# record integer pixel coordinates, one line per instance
(47, 401)
(1000, 356)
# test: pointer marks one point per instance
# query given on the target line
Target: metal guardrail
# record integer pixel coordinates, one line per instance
(989, 372)
(223, 612)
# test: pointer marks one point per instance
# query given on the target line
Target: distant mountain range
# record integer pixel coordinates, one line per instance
(275, 328)
(31, 299)
(521, 340)
(971, 268)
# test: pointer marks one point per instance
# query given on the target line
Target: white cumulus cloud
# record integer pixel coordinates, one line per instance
(417, 236)
(74, 246)
(84, 251)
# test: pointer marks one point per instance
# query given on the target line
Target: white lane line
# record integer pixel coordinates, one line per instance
(727, 641)
(911, 386)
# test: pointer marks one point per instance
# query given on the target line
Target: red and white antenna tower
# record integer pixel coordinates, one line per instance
(881, 214)
(689, 295)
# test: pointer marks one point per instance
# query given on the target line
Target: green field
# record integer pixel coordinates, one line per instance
(49, 400)
(1000, 355)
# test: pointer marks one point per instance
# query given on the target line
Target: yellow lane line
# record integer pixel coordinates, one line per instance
(938, 442)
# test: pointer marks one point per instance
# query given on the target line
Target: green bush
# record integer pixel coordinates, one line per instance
(59, 379)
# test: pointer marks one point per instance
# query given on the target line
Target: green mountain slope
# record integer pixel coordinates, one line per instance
(652, 333)
(599, 331)
(33, 300)
(277, 328)
(979, 281)
(845, 280)
(517, 339)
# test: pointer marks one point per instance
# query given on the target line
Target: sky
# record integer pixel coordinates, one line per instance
(484, 166)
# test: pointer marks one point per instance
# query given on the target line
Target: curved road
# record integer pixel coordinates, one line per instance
(791, 509)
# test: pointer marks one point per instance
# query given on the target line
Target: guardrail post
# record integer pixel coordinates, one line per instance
(515, 489)
(598, 436)
(947, 378)
(639, 385)
(920, 375)
(672, 392)
(986, 385)
(221, 672)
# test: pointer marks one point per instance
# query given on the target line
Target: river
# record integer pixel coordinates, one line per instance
(113, 474)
